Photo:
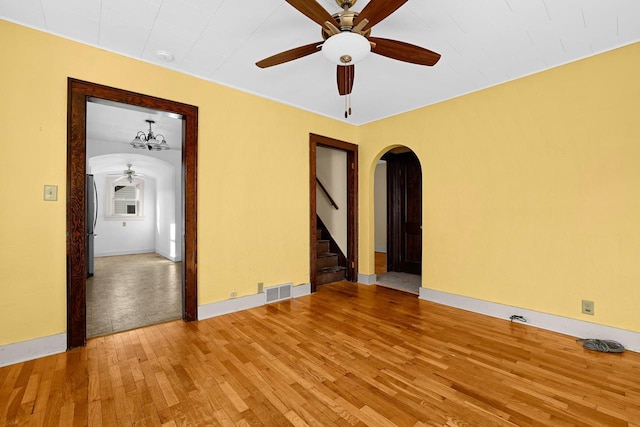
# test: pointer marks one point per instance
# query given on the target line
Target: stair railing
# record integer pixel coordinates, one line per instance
(326, 193)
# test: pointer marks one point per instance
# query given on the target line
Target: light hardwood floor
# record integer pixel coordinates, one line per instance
(347, 355)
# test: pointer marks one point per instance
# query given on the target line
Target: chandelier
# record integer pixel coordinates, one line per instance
(149, 141)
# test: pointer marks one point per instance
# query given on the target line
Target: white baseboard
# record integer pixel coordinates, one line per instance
(244, 303)
(577, 328)
(367, 279)
(130, 252)
(32, 349)
(167, 256)
(138, 252)
(301, 290)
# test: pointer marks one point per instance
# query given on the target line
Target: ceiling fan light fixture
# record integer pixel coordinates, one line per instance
(128, 174)
(346, 48)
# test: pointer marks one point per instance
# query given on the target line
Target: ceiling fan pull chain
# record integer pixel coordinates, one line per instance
(346, 106)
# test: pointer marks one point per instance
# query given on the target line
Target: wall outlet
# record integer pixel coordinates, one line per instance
(234, 294)
(260, 287)
(587, 307)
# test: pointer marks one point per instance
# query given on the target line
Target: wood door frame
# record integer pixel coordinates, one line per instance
(78, 92)
(352, 204)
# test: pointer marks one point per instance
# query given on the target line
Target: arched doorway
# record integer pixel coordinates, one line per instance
(398, 220)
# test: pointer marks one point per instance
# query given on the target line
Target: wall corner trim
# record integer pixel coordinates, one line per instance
(551, 322)
(32, 349)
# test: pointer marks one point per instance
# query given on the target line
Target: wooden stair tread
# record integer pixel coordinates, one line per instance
(326, 254)
(328, 259)
(332, 269)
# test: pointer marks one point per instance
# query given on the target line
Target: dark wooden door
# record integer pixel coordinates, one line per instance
(404, 192)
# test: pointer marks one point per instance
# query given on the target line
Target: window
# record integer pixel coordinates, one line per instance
(125, 199)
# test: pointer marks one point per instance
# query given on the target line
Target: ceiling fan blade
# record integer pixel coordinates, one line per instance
(290, 55)
(346, 74)
(377, 10)
(402, 51)
(312, 10)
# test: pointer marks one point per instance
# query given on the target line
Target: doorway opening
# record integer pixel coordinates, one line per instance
(79, 92)
(333, 238)
(134, 206)
(398, 220)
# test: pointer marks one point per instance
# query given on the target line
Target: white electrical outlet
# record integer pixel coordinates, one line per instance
(587, 307)
(234, 294)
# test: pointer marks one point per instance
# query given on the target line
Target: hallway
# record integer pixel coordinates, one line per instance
(130, 291)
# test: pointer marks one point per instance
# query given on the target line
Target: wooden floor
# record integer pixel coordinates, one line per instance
(381, 263)
(347, 355)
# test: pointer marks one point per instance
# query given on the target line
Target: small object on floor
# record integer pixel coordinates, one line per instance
(518, 318)
(604, 346)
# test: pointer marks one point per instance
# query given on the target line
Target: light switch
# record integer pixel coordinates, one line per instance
(50, 193)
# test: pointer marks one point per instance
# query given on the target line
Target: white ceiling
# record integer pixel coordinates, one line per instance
(116, 123)
(482, 42)
(110, 128)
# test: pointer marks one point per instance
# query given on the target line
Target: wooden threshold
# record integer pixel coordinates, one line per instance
(347, 355)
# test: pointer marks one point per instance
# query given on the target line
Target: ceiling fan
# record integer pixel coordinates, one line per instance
(347, 39)
(127, 174)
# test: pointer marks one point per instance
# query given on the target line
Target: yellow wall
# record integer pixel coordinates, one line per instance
(253, 172)
(531, 190)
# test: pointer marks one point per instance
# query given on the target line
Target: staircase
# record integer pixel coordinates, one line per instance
(330, 264)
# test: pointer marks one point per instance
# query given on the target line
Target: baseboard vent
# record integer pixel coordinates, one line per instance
(278, 293)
